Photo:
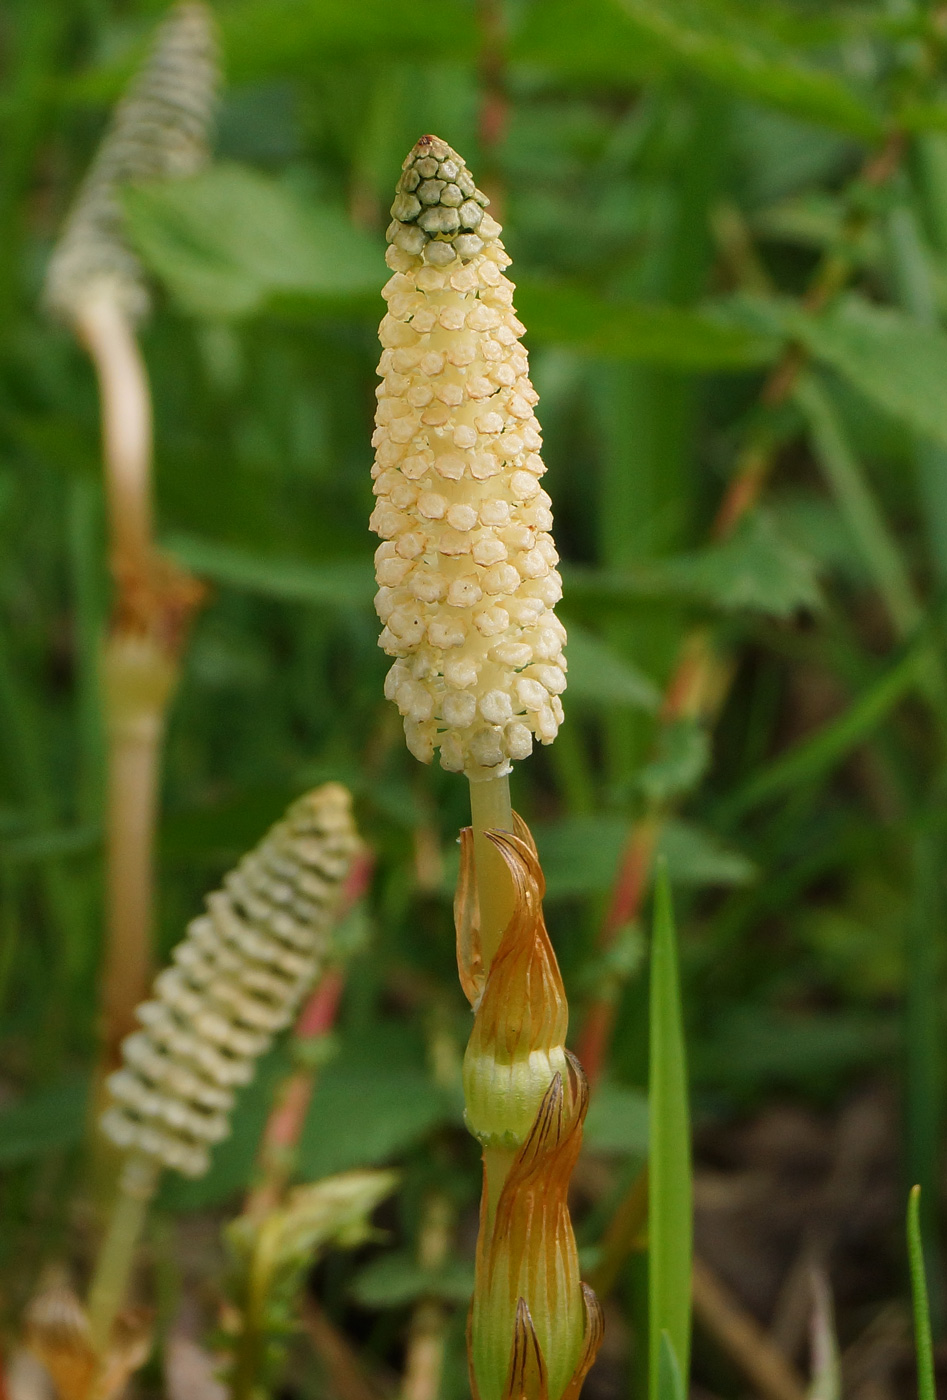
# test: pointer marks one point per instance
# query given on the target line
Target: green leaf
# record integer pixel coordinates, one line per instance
(341, 583)
(670, 1200)
(922, 116)
(926, 1388)
(265, 38)
(397, 1104)
(755, 1048)
(617, 1121)
(580, 855)
(47, 1121)
(894, 360)
(682, 760)
(649, 334)
(816, 219)
(230, 242)
(623, 41)
(857, 503)
(755, 569)
(261, 37)
(698, 857)
(758, 569)
(670, 1380)
(599, 676)
(748, 60)
(51, 845)
(592, 41)
(396, 1278)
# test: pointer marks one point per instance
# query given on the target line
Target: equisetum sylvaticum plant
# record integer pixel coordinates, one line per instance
(235, 980)
(467, 586)
(96, 285)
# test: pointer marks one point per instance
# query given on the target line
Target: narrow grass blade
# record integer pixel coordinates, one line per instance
(914, 283)
(923, 1058)
(858, 506)
(813, 758)
(826, 1365)
(670, 1228)
(670, 1380)
(922, 1321)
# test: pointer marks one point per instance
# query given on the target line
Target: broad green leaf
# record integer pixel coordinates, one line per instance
(670, 1197)
(341, 583)
(893, 359)
(396, 1278)
(231, 241)
(46, 1121)
(695, 856)
(397, 1105)
(617, 1121)
(580, 855)
(598, 675)
(681, 761)
(926, 1388)
(755, 569)
(637, 331)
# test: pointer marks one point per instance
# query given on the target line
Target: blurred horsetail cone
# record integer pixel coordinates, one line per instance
(159, 130)
(467, 577)
(236, 979)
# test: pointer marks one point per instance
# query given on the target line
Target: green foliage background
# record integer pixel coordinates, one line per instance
(669, 175)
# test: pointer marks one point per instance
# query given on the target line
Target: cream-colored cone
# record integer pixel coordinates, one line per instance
(466, 573)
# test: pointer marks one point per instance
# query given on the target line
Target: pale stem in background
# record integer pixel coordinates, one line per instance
(490, 810)
(134, 745)
(140, 668)
(106, 332)
(427, 1339)
(114, 1264)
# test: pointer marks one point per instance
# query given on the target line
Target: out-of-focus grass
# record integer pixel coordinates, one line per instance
(659, 168)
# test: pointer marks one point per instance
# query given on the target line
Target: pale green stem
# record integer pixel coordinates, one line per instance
(137, 1186)
(490, 810)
